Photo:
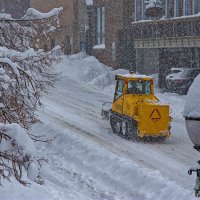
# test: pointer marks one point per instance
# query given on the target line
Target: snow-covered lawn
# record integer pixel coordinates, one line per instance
(87, 161)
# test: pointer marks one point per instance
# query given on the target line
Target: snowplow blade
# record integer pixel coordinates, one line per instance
(106, 109)
(153, 120)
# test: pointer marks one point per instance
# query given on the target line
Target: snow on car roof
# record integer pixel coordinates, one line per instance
(134, 76)
(177, 73)
(184, 69)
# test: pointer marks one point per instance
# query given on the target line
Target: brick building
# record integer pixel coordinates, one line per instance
(16, 8)
(71, 33)
(109, 17)
(74, 20)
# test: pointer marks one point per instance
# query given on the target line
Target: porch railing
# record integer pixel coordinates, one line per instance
(166, 28)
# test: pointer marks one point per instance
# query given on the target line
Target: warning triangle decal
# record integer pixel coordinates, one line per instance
(155, 114)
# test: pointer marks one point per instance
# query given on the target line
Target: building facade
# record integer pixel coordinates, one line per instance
(147, 39)
(172, 40)
(71, 34)
(108, 18)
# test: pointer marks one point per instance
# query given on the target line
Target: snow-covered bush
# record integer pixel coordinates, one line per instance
(25, 75)
(192, 104)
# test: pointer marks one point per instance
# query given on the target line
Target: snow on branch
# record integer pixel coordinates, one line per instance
(18, 153)
(31, 13)
(26, 74)
(21, 34)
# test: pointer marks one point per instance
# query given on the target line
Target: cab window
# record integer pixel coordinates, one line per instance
(139, 87)
(119, 89)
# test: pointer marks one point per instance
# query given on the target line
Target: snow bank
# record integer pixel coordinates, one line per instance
(31, 13)
(99, 46)
(192, 104)
(106, 81)
(80, 55)
(89, 70)
(82, 68)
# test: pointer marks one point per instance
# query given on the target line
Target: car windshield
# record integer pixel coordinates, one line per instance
(139, 87)
(185, 72)
(175, 70)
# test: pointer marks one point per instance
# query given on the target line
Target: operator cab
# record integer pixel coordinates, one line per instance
(133, 84)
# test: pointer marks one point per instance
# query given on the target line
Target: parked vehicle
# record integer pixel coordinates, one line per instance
(180, 79)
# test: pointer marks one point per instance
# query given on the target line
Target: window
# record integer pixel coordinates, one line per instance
(179, 8)
(170, 8)
(119, 89)
(188, 7)
(163, 6)
(101, 25)
(140, 7)
(139, 87)
(196, 6)
(138, 10)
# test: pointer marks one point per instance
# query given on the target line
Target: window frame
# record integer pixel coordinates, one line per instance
(100, 25)
(116, 96)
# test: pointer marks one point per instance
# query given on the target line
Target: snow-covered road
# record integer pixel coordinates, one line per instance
(88, 161)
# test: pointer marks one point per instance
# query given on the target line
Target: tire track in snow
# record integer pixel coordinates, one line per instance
(77, 130)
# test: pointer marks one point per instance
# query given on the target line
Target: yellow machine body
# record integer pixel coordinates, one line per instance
(152, 116)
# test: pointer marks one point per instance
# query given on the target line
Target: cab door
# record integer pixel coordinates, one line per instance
(118, 97)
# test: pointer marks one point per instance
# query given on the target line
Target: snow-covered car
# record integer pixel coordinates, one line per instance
(180, 79)
(192, 112)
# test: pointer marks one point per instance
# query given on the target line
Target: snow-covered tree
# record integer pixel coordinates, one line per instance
(26, 73)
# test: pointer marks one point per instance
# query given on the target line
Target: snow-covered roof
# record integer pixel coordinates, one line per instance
(134, 76)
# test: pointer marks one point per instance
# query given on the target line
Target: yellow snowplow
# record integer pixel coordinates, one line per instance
(136, 111)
